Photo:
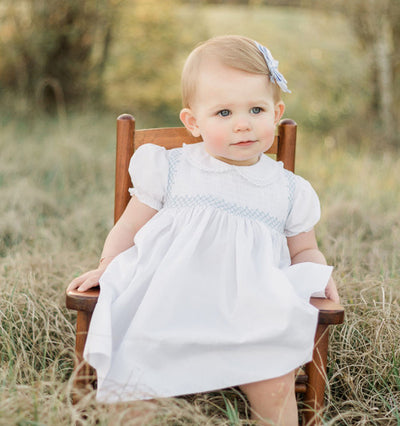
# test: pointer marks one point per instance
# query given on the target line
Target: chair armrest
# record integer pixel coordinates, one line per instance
(329, 312)
(79, 301)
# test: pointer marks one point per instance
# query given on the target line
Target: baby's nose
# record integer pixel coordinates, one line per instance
(242, 124)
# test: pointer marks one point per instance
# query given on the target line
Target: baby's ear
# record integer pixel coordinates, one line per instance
(279, 110)
(189, 120)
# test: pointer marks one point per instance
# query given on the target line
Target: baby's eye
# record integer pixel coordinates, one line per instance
(256, 110)
(224, 113)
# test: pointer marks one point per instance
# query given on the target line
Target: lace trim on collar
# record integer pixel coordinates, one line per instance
(264, 172)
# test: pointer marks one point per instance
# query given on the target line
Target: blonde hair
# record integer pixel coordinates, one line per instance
(236, 52)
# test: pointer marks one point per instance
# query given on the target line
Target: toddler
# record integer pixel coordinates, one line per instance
(205, 279)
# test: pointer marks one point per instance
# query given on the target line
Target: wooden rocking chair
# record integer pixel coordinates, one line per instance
(311, 381)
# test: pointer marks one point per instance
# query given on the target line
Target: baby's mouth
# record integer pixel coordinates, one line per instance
(244, 143)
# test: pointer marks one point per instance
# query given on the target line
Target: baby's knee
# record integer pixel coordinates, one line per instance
(276, 388)
(273, 401)
(284, 385)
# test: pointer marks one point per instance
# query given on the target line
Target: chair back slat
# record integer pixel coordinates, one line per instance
(128, 140)
(168, 137)
(124, 152)
(175, 137)
(286, 150)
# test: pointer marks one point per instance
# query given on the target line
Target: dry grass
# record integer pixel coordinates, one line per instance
(56, 209)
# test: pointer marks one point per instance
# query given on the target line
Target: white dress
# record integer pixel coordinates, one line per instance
(206, 298)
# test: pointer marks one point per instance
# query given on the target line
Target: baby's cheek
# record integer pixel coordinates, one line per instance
(220, 139)
(268, 133)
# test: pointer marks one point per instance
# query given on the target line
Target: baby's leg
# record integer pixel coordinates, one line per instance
(273, 401)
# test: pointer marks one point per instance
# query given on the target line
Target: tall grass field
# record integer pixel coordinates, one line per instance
(56, 208)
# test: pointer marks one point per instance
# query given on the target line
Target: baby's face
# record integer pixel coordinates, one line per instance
(235, 113)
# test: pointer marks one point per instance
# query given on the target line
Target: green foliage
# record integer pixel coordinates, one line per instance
(232, 411)
(376, 26)
(127, 55)
(58, 54)
(48, 50)
(152, 41)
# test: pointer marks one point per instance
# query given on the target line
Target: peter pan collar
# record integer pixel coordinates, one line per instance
(265, 171)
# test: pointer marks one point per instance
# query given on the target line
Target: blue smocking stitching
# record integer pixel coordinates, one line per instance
(292, 188)
(173, 160)
(232, 208)
(208, 200)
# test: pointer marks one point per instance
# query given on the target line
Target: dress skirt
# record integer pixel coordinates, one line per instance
(192, 309)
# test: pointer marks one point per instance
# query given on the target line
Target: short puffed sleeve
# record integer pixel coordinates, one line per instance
(305, 209)
(148, 169)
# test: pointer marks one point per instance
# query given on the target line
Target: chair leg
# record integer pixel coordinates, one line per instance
(84, 373)
(316, 371)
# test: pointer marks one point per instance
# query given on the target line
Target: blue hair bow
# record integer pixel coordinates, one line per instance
(275, 75)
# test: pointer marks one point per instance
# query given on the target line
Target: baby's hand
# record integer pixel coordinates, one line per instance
(331, 291)
(87, 280)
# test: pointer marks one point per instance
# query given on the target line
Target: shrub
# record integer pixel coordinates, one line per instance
(48, 50)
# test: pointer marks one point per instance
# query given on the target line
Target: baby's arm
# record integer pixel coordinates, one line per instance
(119, 239)
(304, 248)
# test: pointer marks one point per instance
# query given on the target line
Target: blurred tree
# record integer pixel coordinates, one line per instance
(59, 53)
(54, 51)
(376, 24)
(144, 72)
(290, 3)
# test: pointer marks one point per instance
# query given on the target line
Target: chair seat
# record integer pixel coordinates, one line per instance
(329, 312)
